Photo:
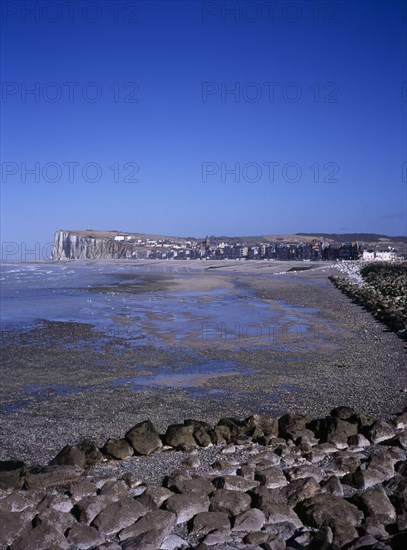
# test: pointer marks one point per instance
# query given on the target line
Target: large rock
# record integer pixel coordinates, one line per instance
(261, 424)
(324, 508)
(230, 502)
(207, 522)
(300, 489)
(92, 452)
(11, 474)
(186, 506)
(291, 423)
(118, 515)
(158, 523)
(89, 507)
(119, 449)
(379, 431)
(43, 537)
(84, 537)
(181, 437)
(272, 477)
(144, 438)
(197, 485)
(375, 502)
(162, 521)
(235, 483)
(14, 525)
(251, 520)
(70, 455)
(37, 478)
(238, 430)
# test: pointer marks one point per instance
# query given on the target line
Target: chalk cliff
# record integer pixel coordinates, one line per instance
(88, 245)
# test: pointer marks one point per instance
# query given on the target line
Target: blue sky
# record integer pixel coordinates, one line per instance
(194, 118)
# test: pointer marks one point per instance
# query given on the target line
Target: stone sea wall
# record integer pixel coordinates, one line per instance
(293, 482)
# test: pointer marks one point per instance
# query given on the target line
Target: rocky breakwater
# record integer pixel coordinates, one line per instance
(382, 290)
(88, 245)
(292, 482)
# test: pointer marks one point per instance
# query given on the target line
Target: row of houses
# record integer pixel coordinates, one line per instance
(223, 250)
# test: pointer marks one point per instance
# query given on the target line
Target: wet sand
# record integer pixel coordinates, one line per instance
(63, 382)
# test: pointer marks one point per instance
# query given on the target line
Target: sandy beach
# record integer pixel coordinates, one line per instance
(62, 382)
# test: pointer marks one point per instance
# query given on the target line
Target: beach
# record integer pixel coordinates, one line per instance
(212, 339)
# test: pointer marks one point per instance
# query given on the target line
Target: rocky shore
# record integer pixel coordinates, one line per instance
(292, 482)
(382, 290)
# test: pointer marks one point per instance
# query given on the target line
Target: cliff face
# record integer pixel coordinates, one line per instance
(73, 246)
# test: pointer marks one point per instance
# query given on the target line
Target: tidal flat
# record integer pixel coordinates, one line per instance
(89, 350)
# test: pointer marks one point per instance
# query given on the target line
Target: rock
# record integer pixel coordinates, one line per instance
(344, 413)
(14, 525)
(159, 520)
(234, 483)
(176, 478)
(81, 489)
(70, 455)
(250, 520)
(340, 464)
(144, 438)
(271, 477)
(204, 436)
(21, 500)
(266, 424)
(332, 428)
(119, 449)
(89, 507)
(218, 537)
(323, 539)
(61, 521)
(173, 542)
(154, 497)
(257, 538)
(264, 498)
(300, 489)
(114, 489)
(375, 502)
(11, 474)
(363, 477)
(379, 431)
(192, 462)
(358, 440)
(281, 513)
(332, 486)
(238, 429)
(231, 502)
(328, 508)
(43, 537)
(38, 478)
(400, 422)
(92, 453)
(180, 437)
(221, 435)
(303, 471)
(304, 436)
(84, 537)
(186, 506)
(291, 423)
(207, 522)
(118, 515)
(197, 485)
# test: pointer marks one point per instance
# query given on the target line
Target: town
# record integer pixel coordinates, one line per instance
(213, 249)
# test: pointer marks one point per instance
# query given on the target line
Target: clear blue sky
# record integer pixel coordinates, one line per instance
(318, 99)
